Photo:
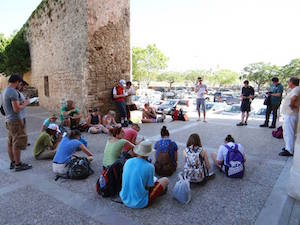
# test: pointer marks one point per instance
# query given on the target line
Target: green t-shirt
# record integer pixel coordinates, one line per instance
(112, 152)
(44, 141)
(275, 90)
(64, 109)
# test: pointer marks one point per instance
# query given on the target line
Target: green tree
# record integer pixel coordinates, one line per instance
(192, 75)
(147, 63)
(16, 56)
(260, 73)
(290, 70)
(3, 43)
(170, 77)
(224, 77)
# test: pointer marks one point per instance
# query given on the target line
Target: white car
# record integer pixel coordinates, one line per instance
(215, 107)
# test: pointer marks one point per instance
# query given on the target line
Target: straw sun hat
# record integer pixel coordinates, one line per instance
(144, 148)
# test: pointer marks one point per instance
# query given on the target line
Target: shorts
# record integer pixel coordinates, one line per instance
(122, 109)
(155, 192)
(245, 106)
(200, 103)
(17, 136)
(60, 169)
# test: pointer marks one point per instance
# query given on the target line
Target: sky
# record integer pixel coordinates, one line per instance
(201, 34)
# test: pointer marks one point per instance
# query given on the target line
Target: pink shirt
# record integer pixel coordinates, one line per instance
(130, 135)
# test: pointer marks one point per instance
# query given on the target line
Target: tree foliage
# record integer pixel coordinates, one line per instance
(290, 70)
(15, 54)
(224, 77)
(147, 63)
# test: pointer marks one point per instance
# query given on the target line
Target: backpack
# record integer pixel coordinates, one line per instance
(234, 162)
(163, 165)
(181, 115)
(78, 169)
(278, 133)
(2, 110)
(195, 167)
(110, 180)
(175, 114)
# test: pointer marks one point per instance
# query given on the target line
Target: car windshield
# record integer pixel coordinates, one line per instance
(169, 103)
(234, 108)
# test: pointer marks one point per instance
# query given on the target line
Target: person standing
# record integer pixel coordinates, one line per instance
(130, 106)
(275, 94)
(246, 96)
(290, 110)
(201, 90)
(17, 137)
(119, 95)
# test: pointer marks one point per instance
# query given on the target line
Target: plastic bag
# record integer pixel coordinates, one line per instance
(181, 190)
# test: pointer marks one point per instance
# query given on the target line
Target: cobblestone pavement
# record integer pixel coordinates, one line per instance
(33, 197)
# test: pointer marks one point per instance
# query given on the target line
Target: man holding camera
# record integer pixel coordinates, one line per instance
(275, 97)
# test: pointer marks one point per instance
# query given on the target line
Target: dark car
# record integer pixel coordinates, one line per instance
(168, 106)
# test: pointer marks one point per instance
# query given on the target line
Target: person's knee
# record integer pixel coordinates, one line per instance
(164, 182)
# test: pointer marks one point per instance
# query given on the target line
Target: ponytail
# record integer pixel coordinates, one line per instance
(164, 132)
(229, 138)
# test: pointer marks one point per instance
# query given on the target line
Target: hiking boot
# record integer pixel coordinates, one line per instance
(22, 166)
(12, 165)
(285, 153)
(264, 125)
(240, 124)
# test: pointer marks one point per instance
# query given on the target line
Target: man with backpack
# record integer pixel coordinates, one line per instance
(230, 158)
(17, 137)
(138, 187)
(119, 95)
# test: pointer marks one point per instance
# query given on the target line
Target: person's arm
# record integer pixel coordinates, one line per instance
(77, 114)
(279, 94)
(17, 107)
(85, 150)
(114, 121)
(204, 155)
(293, 103)
(100, 120)
(129, 145)
(89, 120)
(220, 159)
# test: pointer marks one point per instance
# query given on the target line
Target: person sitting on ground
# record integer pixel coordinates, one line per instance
(94, 123)
(149, 115)
(166, 154)
(114, 146)
(109, 121)
(69, 115)
(196, 167)
(45, 146)
(138, 187)
(220, 158)
(130, 134)
(66, 148)
(48, 121)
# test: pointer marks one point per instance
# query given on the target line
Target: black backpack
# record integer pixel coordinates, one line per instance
(78, 169)
(110, 181)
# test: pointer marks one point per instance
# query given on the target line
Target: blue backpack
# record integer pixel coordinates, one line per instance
(234, 166)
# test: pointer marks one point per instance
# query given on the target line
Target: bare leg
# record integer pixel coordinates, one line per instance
(199, 114)
(10, 153)
(17, 156)
(147, 121)
(247, 116)
(204, 116)
(242, 117)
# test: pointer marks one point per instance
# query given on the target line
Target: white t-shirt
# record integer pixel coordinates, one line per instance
(201, 90)
(286, 109)
(222, 152)
(130, 92)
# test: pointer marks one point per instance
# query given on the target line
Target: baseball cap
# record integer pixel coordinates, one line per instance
(122, 82)
(53, 126)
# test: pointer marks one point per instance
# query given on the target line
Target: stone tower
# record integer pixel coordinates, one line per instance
(79, 50)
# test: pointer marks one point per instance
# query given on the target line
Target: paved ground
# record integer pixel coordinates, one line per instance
(33, 197)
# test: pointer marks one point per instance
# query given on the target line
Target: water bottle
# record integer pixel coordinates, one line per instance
(102, 181)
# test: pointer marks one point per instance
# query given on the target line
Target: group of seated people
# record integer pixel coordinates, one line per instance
(139, 185)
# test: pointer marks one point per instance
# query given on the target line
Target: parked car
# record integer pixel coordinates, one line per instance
(215, 107)
(228, 98)
(232, 109)
(168, 106)
(260, 112)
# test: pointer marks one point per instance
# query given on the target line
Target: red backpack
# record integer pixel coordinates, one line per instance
(278, 133)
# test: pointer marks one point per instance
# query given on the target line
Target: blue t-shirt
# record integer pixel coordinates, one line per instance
(137, 175)
(65, 150)
(163, 146)
(46, 123)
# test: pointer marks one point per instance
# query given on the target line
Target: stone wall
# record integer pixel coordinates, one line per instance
(82, 46)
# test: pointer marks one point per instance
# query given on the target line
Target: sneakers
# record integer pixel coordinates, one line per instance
(12, 165)
(264, 125)
(285, 153)
(240, 124)
(22, 166)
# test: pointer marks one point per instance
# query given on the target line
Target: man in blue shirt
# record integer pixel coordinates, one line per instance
(138, 187)
(275, 94)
